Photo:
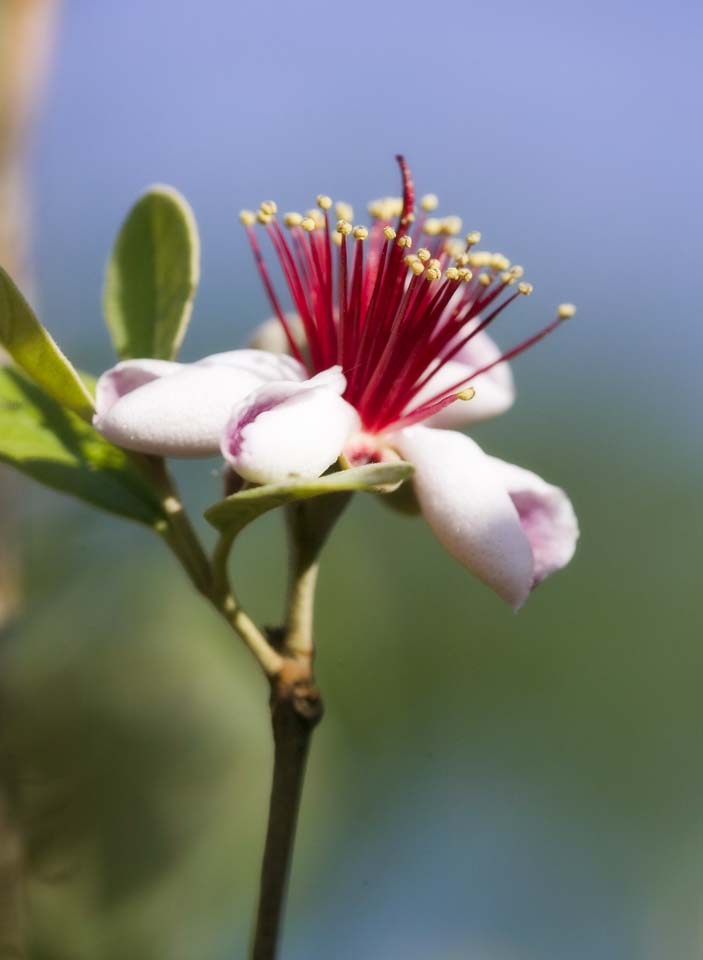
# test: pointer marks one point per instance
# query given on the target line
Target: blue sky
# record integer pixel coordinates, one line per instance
(566, 133)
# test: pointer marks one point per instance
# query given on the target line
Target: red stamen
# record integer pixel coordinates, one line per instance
(260, 263)
(390, 331)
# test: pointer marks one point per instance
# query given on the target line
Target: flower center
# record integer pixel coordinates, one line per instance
(391, 317)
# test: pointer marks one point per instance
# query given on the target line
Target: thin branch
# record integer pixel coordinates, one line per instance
(296, 709)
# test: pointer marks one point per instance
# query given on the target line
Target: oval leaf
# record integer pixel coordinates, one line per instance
(33, 349)
(57, 448)
(234, 513)
(152, 276)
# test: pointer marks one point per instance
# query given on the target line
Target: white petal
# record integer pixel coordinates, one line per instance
(469, 509)
(126, 376)
(270, 334)
(180, 415)
(546, 514)
(495, 390)
(288, 430)
(263, 364)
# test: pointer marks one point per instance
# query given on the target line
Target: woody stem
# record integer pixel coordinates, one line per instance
(296, 709)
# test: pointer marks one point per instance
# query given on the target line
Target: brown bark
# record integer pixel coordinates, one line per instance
(296, 709)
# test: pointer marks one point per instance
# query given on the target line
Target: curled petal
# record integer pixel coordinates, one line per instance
(469, 509)
(179, 415)
(290, 429)
(180, 410)
(546, 515)
(263, 364)
(495, 389)
(127, 376)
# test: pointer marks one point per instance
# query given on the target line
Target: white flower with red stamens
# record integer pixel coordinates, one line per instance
(387, 345)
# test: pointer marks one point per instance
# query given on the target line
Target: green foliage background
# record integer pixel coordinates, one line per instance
(549, 757)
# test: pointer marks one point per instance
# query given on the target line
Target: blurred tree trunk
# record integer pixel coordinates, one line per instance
(26, 27)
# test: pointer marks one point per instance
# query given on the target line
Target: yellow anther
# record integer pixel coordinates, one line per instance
(389, 233)
(507, 278)
(360, 233)
(323, 201)
(451, 226)
(417, 267)
(269, 207)
(473, 238)
(480, 258)
(315, 215)
(465, 274)
(429, 202)
(462, 260)
(343, 228)
(411, 258)
(500, 262)
(434, 263)
(525, 289)
(453, 248)
(263, 217)
(432, 227)
(292, 219)
(485, 280)
(468, 394)
(565, 310)
(307, 223)
(344, 210)
(386, 208)
(247, 218)
(433, 273)
(451, 273)
(424, 254)
(517, 271)
(337, 239)
(405, 241)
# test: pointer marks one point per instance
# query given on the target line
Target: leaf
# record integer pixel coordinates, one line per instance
(152, 276)
(33, 349)
(57, 448)
(234, 513)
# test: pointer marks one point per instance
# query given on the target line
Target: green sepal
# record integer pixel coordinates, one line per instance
(231, 515)
(57, 448)
(33, 349)
(152, 276)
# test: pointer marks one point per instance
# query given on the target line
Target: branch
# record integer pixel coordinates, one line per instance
(296, 709)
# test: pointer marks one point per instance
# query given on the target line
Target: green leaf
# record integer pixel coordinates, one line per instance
(233, 514)
(34, 350)
(57, 448)
(152, 276)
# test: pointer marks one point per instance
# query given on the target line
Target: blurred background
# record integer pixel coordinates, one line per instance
(485, 786)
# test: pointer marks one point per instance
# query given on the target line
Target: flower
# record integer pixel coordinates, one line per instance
(387, 349)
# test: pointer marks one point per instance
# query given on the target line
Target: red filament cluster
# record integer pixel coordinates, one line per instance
(389, 316)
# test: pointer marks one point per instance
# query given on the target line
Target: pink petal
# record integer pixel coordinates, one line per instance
(126, 376)
(177, 409)
(285, 430)
(270, 335)
(261, 363)
(546, 514)
(180, 415)
(469, 509)
(495, 390)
